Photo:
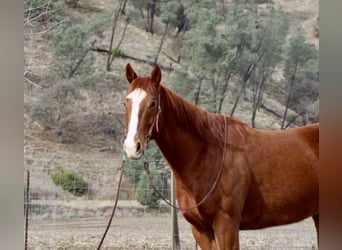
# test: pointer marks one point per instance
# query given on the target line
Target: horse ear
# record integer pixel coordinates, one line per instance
(156, 75)
(130, 74)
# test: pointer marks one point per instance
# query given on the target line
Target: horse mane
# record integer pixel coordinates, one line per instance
(207, 126)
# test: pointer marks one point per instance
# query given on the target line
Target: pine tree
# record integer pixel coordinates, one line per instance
(206, 46)
(134, 172)
(298, 55)
(271, 35)
(71, 54)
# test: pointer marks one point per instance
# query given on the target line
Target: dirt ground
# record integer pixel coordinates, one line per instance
(154, 232)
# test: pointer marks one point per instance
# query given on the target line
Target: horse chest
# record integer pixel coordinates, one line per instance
(196, 216)
(197, 220)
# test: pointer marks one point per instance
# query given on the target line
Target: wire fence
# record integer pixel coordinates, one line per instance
(75, 216)
(69, 202)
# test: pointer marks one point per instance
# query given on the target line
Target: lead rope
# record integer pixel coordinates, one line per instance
(116, 201)
(147, 171)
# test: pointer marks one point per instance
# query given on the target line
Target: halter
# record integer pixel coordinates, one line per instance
(154, 123)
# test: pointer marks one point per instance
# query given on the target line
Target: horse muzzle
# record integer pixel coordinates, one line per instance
(134, 150)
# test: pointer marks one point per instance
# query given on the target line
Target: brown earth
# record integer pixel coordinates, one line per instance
(154, 232)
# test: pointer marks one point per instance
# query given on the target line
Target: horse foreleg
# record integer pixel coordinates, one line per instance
(204, 239)
(226, 234)
(316, 220)
(228, 240)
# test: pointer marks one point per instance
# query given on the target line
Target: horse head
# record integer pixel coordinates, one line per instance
(142, 110)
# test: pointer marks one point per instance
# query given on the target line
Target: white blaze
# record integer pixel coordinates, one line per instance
(136, 96)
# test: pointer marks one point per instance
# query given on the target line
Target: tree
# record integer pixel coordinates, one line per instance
(184, 82)
(98, 24)
(173, 12)
(145, 194)
(48, 13)
(298, 55)
(134, 172)
(118, 10)
(55, 105)
(312, 114)
(41, 17)
(69, 181)
(242, 21)
(272, 32)
(166, 20)
(207, 47)
(71, 57)
(151, 8)
(72, 66)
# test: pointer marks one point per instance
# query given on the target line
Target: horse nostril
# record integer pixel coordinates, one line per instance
(138, 146)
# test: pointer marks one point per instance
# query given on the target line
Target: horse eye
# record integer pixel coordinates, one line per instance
(153, 104)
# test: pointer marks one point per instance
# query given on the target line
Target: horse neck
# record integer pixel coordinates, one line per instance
(178, 138)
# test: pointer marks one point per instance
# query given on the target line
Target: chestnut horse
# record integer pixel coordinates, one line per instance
(250, 179)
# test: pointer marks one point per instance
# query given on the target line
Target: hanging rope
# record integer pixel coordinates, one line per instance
(116, 203)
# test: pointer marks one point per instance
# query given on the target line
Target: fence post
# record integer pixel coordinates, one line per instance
(174, 222)
(27, 206)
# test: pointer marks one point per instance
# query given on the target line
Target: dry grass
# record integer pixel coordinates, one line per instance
(302, 13)
(153, 232)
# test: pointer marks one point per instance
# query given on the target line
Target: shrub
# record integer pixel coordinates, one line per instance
(118, 52)
(134, 169)
(145, 194)
(69, 181)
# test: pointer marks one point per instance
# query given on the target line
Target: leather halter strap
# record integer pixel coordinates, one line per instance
(154, 123)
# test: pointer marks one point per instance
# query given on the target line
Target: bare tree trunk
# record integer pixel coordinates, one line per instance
(147, 24)
(153, 9)
(142, 13)
(246, 77)
(80, 61)
(59, 126)
(213, 108)
(294, 119)
(123, 8)
(116, 17)
(62, 113)
(181, 38)
(198, 91)
(258, 91)
(293, 77)
(242, 90)
(224, 89)
(119, 43)
(162, 41)
(150, 8)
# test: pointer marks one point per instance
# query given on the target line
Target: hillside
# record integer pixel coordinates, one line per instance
(92, 133)
(304, 13)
